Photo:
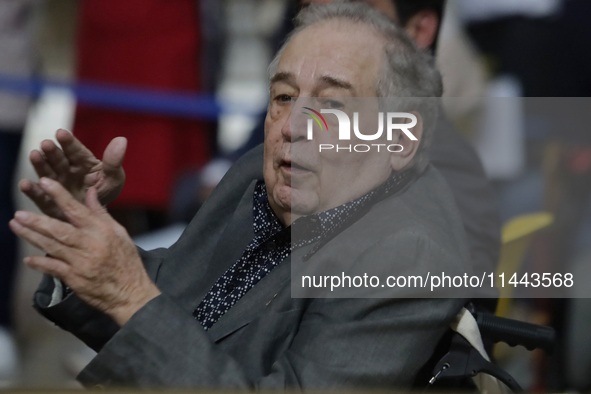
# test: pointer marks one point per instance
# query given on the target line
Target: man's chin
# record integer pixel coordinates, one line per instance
(303, 202)
(298, 201)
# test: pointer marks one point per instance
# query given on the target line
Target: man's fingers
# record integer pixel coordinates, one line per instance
(40, 164)
(62, 232)
(43, 200)
(36, 194)
(114, 155)
(50, 266)
(55, 157)
(46, 244)
(75, 151)
(75, 212)
(31, 189)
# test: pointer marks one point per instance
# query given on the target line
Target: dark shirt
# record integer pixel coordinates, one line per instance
(273, 242)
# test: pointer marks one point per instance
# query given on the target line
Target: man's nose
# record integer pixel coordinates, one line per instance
(295, 127)
(286, 128)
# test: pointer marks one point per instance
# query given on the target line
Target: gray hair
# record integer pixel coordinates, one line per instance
(407, 72)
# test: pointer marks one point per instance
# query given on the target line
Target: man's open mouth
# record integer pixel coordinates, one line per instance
(294, 167)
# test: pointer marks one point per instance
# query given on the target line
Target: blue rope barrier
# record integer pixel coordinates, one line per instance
(151, 101)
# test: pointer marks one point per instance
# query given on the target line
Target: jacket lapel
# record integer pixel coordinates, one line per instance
(192, 277)
(236, 237)
(254, 302)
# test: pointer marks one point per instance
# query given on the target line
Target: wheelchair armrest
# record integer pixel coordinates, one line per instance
(514, 332)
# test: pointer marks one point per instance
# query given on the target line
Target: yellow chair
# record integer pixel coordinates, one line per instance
(516, 237)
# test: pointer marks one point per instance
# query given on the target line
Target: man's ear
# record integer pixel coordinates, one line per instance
(400, 160)
(423, 27)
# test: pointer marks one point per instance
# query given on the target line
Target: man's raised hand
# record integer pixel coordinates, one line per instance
(89, 251)
(77, 169)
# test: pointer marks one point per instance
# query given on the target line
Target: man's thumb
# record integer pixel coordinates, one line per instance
(114, 155)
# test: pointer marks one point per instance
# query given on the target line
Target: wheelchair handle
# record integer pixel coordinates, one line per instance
(514, 332)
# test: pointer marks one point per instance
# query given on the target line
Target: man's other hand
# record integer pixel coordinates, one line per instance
(77, 169)
(89, 251)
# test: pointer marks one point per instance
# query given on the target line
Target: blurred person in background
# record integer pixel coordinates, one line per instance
(150, 44)
(16, 60)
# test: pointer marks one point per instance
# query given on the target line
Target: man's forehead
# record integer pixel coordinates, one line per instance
(336, 53)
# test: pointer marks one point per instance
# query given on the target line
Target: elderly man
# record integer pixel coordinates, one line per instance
(452, 155)
(215, 310)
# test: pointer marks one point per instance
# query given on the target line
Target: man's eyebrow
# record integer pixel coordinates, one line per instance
(335, 82)
(325, 81)
(288, 78)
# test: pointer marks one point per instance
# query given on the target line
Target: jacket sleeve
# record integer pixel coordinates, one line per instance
(89, 325)
(340, 342)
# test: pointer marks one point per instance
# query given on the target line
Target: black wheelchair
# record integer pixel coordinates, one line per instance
(458, 359)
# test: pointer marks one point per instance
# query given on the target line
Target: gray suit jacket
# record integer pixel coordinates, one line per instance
(268, 339)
